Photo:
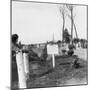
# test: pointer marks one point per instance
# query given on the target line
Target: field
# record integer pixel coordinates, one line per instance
(42, 74)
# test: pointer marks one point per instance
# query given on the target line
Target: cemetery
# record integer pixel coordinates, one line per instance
(53, 48)
(48, 66)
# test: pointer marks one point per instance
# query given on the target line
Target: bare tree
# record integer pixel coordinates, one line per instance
(62, 11)
(70, 8)
(74, 25)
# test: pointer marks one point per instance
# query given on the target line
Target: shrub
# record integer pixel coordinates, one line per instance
(63, 51)
(71, 47)
(70, 52)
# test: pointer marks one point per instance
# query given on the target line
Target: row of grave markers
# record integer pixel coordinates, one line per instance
(23, 68)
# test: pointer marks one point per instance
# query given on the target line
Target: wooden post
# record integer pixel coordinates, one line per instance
(53, 60)
(21, 73)
(26, 63)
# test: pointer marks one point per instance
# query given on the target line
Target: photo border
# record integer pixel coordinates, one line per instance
(11, 43)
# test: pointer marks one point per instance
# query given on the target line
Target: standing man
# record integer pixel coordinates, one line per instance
(14, 47)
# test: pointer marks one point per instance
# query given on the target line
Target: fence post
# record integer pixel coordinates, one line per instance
(21, 73)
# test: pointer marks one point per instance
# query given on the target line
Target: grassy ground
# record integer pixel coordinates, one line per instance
(63, 74)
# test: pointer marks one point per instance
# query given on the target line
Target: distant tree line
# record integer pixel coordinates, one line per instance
(67, 38)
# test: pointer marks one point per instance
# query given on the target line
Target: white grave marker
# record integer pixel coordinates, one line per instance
(26, 63)
(21, 73)
(52, 50)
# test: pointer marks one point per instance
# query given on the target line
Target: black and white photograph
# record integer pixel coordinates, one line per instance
(49, 44)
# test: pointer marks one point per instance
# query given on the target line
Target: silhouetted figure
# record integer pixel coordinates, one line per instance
(15, 47)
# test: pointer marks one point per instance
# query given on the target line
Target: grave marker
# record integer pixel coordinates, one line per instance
(21, 73)
(52, 50)
(26, 63)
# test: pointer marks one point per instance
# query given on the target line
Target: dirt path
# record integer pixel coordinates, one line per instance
(74, 81)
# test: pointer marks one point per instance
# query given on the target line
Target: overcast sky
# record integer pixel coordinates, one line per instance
(36, 22)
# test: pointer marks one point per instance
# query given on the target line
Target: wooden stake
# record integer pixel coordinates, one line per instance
(53, 60)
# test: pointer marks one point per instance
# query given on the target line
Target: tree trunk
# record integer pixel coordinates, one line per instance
(72, 26)
(75, 30)
(63, 28)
